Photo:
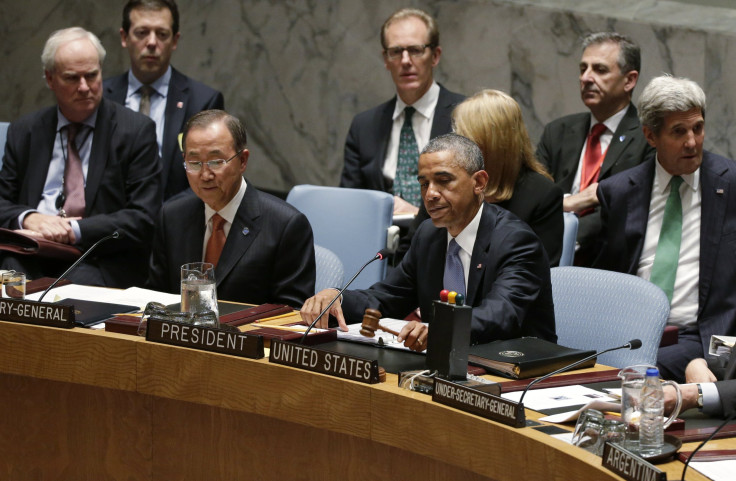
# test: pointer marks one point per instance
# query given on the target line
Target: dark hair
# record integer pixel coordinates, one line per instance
(466, 153)
(629, 54)
(208, 117)
(152, 5)
(432, 28)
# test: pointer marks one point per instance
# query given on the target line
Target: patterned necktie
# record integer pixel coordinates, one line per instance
(73, 175)
(454, 278)
(593, 157)
(217, 240)
(145, 106)
(405, 183)
(664, 269)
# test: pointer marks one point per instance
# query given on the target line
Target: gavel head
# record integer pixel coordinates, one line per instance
(370, 322)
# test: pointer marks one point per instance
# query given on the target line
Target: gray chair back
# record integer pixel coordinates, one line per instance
(330, 272)
(569, 237)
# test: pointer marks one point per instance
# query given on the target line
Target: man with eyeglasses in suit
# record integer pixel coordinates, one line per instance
(262, 247)
(383, 144)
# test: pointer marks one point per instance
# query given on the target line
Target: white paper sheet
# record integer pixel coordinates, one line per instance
(715, 470)
(558, 397)
(133, 296)
(389, 340)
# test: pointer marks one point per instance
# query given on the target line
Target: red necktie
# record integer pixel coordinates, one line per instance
(217, 240)
(73, 175)
(593, 157)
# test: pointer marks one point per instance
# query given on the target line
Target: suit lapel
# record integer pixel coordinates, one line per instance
(385, 123)
(638, 200)
(117, 88)
(105, 127)
(623, 136)
(572, 144)
(177, 100)
(480, 254)
(41, 150)
(192, 233)
(715, 192)
(246, 227)
(442, 113)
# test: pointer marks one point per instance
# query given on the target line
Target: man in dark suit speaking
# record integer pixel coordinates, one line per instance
(261, 246)
(150, 33)
(672, 221)
(383, 144)
(468, 246)
(82, 169)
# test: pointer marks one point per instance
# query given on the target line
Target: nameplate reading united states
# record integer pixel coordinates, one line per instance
(37, 313)
(324, 362)
(479, 403)
(630, 466)
(205, 338)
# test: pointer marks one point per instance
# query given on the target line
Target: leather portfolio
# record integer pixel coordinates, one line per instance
(525, 357)
(20, 243)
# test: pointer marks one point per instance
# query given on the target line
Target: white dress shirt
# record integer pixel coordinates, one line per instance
(228, 213)
(158, 101)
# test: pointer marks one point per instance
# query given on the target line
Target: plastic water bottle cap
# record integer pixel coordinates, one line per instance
(652, 371)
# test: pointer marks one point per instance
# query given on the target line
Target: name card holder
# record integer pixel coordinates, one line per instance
(37, 313)
(324, 362)
(479, 403)
(210, 339)
(630, 466)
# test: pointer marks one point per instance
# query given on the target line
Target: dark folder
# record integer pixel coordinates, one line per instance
(89, 313)
(525, 357)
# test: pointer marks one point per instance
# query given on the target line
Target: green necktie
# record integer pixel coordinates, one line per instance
(406, 185)
(667, 257)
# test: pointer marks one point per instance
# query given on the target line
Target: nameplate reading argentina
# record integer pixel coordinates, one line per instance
(324, 362)
(204, 338)
(629, 466)
(479, 403)
(37, 313)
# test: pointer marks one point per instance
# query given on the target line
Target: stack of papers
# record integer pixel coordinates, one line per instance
(134, 296)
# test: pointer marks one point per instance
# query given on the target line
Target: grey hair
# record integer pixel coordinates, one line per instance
(629, 53)
(466, 153)
(207, 117)
(64, 36)
(667, 94)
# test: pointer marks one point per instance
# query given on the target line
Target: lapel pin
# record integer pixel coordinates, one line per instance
(180, 105)
(479, 266)
(246, 231)
(622, 138)
(719, 191)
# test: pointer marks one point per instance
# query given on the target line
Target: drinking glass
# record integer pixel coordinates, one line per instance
(199, 292)
(13, 285)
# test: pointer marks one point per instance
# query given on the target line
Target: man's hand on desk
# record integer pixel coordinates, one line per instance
(697, 371)
(581, 201)
(317, 303)
(403, 207)
(414, 336)
(49, 227)
(689, 397)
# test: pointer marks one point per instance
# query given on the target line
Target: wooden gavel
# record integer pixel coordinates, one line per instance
(371, 324)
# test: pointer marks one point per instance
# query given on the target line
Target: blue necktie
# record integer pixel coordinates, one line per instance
(406, 185)
(454, 278)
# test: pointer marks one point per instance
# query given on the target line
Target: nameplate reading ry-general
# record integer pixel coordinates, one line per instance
(37, 313)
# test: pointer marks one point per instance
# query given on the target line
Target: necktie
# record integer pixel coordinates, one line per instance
(664, 269)
(405, 183)
(593, 157)
(217, 240)
(454, 278)
(73, 175)
(145, 106)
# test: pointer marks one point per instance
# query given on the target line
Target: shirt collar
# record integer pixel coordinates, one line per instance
(62, 121)
(160, 85)
(611, 122)
(662, 179)
(228, 212)
(466, 237)
(425, 105)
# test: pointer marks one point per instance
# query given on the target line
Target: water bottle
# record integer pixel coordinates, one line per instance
(651, 429)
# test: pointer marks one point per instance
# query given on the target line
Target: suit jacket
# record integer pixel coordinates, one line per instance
(508, 285)
(268, 256)
(122, 190)
(625, 200)
(186, 97)
(368, 137)
(536, 200)
(559, 149)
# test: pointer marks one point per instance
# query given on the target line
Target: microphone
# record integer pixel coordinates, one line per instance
(632, 344)
(380, 255)
(713, 434)
(114, 235)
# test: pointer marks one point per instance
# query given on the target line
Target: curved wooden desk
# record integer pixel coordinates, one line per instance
(88, 405)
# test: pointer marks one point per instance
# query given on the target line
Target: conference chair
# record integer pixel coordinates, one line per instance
(597, 309)
(3, 138)
(330, 272)
(569, 237)
(352, 223)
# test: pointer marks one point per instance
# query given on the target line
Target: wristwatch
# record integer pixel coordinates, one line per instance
(700, 397)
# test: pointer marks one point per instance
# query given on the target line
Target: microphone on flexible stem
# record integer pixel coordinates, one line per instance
(632, 344)
(713, 434)
(381, 255)
(114, 235)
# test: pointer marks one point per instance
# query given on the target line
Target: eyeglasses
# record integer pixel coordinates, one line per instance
(394, 53)
(214, 165)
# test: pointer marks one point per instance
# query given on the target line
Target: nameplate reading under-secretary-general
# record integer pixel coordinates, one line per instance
(630, 466)
(477, 402)
(324, 362)
(205, 338)
(37, 313)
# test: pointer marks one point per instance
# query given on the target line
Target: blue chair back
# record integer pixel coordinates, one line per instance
(330, 272)
(3, 138)
(597, 309)
(352, 223)
(569, 237)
